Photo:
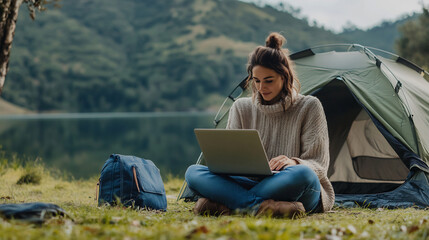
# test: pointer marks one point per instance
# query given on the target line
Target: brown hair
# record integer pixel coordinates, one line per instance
(274, 57)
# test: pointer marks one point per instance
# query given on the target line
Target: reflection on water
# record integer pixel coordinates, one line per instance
(81, 143)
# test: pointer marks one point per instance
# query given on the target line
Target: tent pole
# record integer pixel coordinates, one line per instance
(185, 184)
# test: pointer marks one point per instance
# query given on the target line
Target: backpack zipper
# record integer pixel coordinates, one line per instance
(135, 178)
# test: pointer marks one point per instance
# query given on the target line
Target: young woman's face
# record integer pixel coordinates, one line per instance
(268, 82)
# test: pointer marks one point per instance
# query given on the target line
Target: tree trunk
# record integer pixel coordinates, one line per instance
(8, 16)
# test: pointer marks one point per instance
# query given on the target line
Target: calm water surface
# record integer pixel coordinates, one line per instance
(80, 143)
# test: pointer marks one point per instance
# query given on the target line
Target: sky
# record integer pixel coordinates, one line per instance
(335, 14)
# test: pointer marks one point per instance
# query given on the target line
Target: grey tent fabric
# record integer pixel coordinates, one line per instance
(402, 197)
(377, 109)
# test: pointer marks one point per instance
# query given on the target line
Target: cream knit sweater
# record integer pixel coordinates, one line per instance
(300, 133)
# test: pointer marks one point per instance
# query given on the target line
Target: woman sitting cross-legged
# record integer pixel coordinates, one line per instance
(294, 133)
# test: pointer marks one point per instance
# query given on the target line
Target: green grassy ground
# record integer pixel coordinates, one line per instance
(9, 108)
(92, 222)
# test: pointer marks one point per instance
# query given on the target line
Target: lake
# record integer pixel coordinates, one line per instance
(79, 144)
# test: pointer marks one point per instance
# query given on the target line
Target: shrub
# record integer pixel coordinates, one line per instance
(30, 177)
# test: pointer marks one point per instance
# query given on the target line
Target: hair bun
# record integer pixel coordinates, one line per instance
(275, 40)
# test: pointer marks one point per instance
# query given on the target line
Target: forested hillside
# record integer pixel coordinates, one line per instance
(141, 55)
(382, 36)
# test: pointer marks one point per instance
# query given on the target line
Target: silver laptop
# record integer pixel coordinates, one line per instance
(234, 152)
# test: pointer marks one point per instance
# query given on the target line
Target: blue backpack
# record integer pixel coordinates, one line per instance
(131, 181)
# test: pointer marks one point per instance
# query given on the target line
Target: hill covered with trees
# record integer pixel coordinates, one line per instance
(165, 55)
(382, 36)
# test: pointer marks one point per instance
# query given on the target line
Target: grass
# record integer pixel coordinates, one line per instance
(9, 108)
(224, 43)
(77, 197)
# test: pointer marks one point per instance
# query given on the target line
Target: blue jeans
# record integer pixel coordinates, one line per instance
(294, 184)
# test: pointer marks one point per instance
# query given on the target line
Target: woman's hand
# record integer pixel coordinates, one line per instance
(280, 162)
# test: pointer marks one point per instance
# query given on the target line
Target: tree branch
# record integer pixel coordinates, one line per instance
(9, 15)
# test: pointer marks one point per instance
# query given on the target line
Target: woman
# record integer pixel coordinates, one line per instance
(294, 132)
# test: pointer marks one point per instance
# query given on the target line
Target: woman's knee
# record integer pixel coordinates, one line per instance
(193, 172)
(305, 176)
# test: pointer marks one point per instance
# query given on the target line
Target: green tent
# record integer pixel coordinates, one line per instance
(377, 109)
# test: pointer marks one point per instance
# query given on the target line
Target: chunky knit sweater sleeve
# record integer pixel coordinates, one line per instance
(235, 120)
(315, 148)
